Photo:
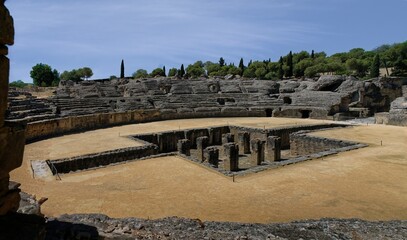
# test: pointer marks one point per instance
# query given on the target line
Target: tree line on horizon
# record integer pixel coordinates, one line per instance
(356, 62)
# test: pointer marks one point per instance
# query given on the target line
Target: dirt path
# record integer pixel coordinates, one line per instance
(369, 183)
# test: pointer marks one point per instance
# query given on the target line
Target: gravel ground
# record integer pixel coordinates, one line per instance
(96, 226)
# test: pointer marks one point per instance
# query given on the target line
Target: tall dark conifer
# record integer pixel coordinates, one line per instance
(122, 69)
(375, 68)
(280, 73)
(182, 71)
(221, 62)
(165, 73)
(241, 65)
(290, 67)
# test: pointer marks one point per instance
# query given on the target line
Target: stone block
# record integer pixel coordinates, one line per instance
(273, 149)
(231, 159)
(12, 142)
(244, 142)
(257, 152)
(184, 147)
(6, 26)
(201, 144)
(227, 138)
(211, 155)
(10, 202)
(4, 76)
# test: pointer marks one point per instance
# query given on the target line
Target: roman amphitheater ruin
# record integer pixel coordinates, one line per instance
(235, 150)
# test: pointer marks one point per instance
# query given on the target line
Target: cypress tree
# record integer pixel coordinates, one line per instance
(312, 54)
(182, 71)
(221, 62)
(290, 66)
(280, 73)
(122, 69)
(164, 71)
(241, 65)
(375, 68)
(250, 63)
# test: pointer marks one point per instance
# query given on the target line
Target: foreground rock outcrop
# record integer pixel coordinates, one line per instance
(96, 226)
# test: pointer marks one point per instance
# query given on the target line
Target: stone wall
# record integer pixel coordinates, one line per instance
(167, 141)
(101, 159)
(302, 144)
(285, 132)
(49, 128)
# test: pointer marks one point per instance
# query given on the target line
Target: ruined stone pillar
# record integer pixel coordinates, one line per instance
(211, 154)
(184, 147)
(227, 138)
(12, 139)
(257, 155)
(273, 148)
(201, 144)
(361, 93)
(231, 161)
(244, 142)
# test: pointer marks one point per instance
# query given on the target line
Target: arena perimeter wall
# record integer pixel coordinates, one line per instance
(56, 127)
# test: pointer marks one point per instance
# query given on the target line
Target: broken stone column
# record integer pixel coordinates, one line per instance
(231, 159)
(211, 154)
(12, 139)
(184, 147)
(257, 156)
(273, 149)
(227, 138)
(201, 144)
(244, 142)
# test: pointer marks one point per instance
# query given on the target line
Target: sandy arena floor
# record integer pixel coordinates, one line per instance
(369, 183)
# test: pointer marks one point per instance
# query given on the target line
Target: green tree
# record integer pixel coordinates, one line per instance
(212, 69)
(85, 73)
(77, 75)
(221, 62)
(172, 72)
(300, 67)
(57, 78)
(122, 69)
(359, 67)
(140, 73)
(241, 65)
(375, 67)
(290, 67)
(164, 71)
(196, 70)
(18, 84)
(280, 73)
(158, 72)
(297, 57)
(43, 75)
(260, 72)
(232, 69)
(181, 71)
(71, 75)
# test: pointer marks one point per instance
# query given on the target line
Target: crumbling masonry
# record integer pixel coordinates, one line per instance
(12, 139)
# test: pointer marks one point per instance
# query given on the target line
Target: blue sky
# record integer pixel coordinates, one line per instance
(151, 33)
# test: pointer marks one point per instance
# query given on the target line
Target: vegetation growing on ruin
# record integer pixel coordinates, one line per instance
(356, 62)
